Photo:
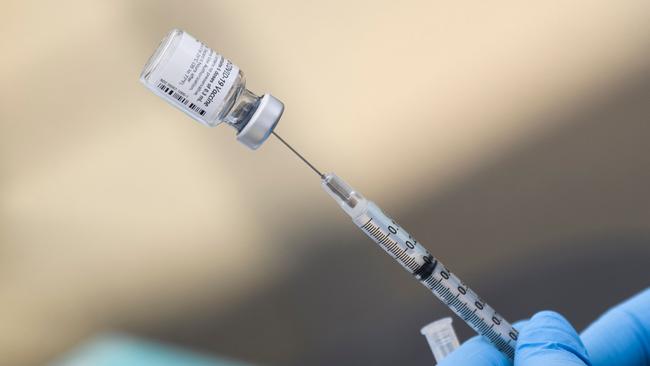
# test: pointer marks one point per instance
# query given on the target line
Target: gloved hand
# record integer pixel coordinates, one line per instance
(620, 337)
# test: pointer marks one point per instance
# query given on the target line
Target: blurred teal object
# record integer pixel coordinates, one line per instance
(125, 350)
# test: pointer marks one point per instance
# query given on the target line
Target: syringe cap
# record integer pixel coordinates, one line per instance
(441, 337)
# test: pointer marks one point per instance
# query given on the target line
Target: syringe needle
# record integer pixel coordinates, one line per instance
(298, 155)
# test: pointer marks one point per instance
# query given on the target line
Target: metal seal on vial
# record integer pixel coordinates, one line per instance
(262, 122)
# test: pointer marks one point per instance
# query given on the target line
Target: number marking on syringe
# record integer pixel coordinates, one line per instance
(464, 311)
(389, 244)
(418, 261)
(453, 299)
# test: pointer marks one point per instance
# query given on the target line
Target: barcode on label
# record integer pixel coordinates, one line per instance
(179, 97)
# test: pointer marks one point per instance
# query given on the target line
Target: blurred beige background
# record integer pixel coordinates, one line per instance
(117, 211)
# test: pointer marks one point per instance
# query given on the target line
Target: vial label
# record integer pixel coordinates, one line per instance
(195, 79)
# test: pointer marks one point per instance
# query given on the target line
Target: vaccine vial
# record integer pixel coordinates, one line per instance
(209, 88)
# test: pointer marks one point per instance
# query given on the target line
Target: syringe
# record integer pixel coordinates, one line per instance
(431, 273)
(178, 58)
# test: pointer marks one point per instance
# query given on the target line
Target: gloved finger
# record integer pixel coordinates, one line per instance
(621, 336)
(549, 339)
(477, 351)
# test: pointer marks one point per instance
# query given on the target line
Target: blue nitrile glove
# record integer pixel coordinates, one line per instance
(546, 339)
(620, 337)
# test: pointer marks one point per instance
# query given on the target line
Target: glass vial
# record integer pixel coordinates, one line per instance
(209, 88)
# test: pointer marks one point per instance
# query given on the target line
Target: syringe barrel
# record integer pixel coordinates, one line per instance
(417, 260)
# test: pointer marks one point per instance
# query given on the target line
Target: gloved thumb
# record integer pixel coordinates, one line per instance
(549, 339)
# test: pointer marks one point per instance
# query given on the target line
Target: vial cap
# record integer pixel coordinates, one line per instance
(262, 122)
